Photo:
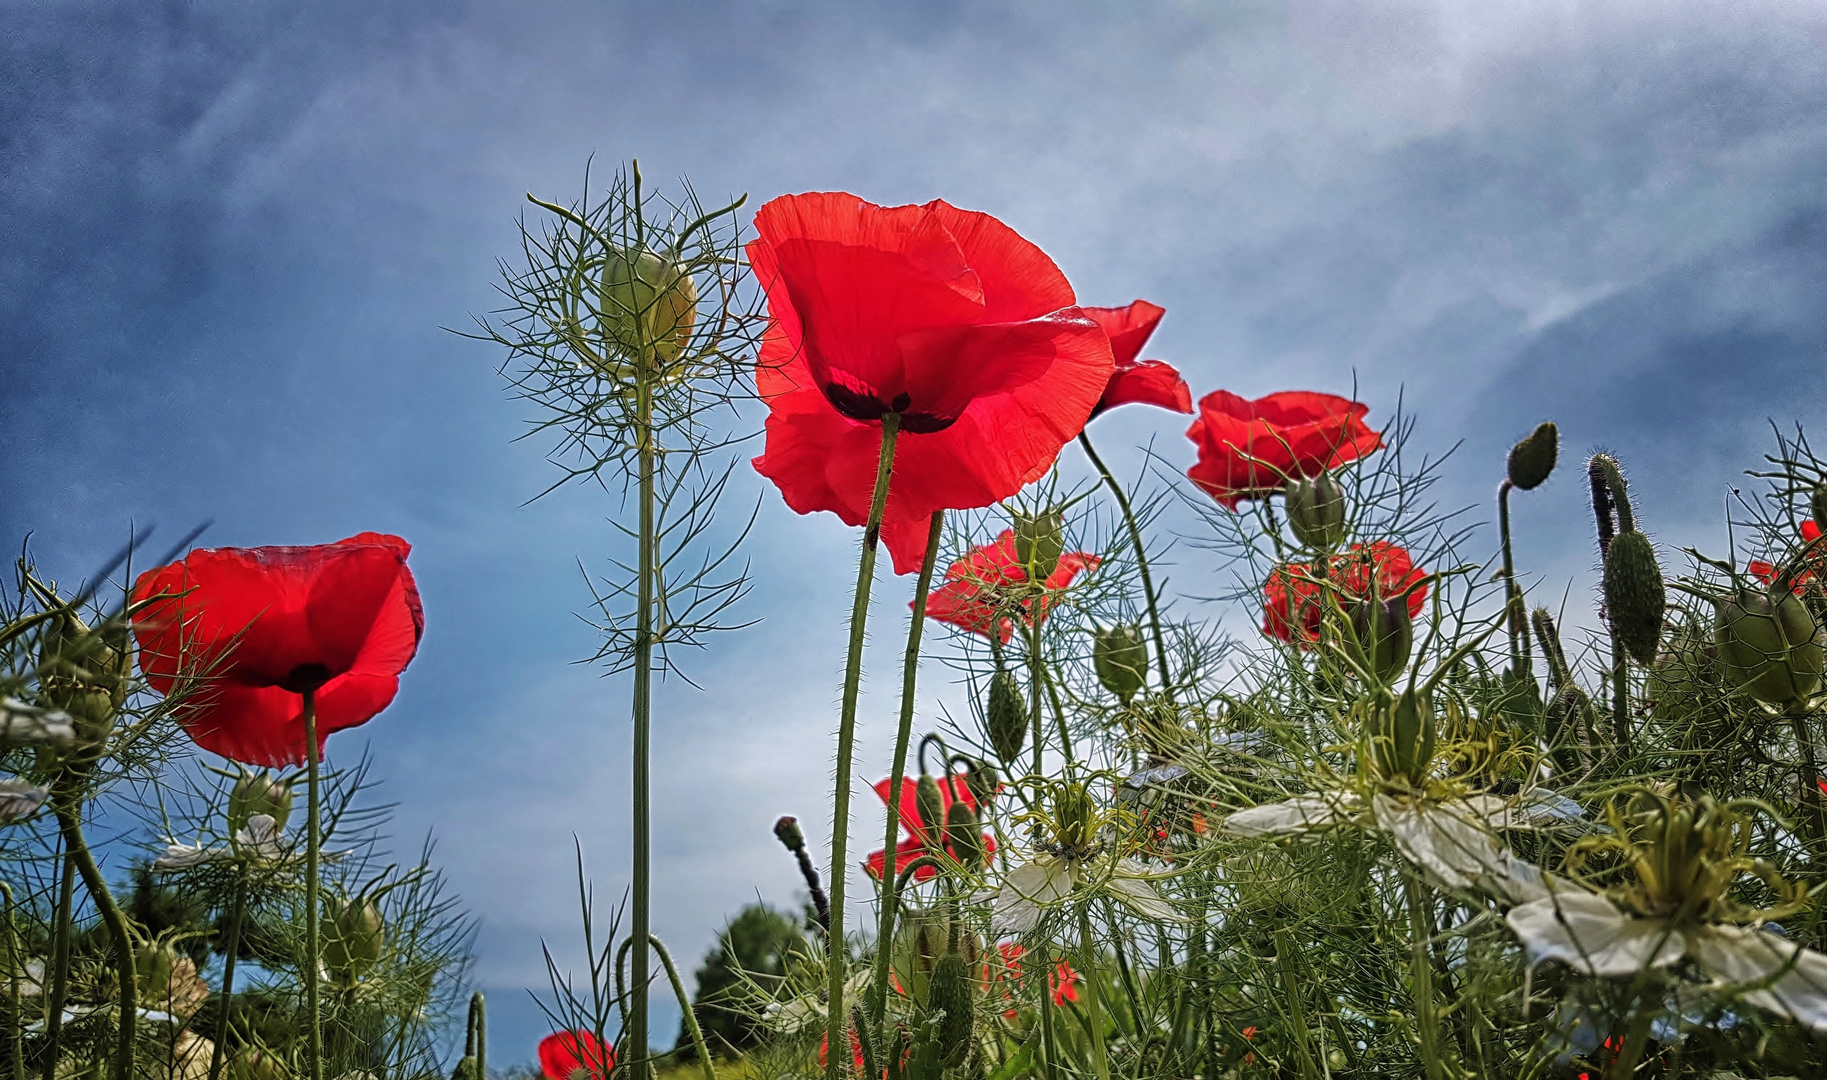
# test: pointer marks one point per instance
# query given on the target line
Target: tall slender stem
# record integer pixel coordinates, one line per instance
(1620, 697)
(1094, 1012)
(68, 804)
(641, 930)
(1037, 682)
(314, 1045)
(691, 1017)
(1135, 541)
(1050, 1050)
(60, 967)
(15, 964)
(910, 666)
(846, 736)
(1421, 968)
(231, 947)
(1513, 602)
(478, 1009)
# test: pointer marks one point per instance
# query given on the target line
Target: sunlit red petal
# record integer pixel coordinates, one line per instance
(1248, 449)
(564, 1054)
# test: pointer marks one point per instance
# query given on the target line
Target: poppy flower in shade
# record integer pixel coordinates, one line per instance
(953, 788)
(971, 596)
(1816, 557)
(1148, 382)
(260, 626)
(575, 1055)
(1062, 981)
(943, 316)
(1250, 449)
(1292, 596)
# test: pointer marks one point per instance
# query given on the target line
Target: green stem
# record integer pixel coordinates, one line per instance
(1094, 1013)
(691, 1018)
(60, 967)
(1049, 1049)
(1620, 697)
(910, 663)
(478, 1008)
(15, 963)
(1513, 602)
(1814, 822)
(1421, 968)
(314, 1044)
(231, 947)
(69, 817)
(1148, 585)
(640, 909)
(1297, 1013)
(835, 960)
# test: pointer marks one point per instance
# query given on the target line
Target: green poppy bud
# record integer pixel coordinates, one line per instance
(1634, 595)
(353, 940)
(1384, 633)
(788, 832)
(647, 304)
(964, 836)
(1121, 661)
(1316, 511)
(1006, 717)
(951, 992)
(1566, 713)
(1770, 646)
(1532, 459)
(1040, 540)
(258, 793)
(930, 806)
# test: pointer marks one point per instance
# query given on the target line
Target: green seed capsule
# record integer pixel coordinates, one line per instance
(647, 305)
(1006, 717)
(353, 940)
(1316, 511)
(1634, 595)
(1121, 660)
(1040, 540)
(1384, 633)
(1770, 646)
(1403, 746)
(1532, 459)
(258, 793)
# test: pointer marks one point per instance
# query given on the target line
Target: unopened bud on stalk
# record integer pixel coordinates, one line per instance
(153, 962)
(1770, 645)
(1403, 738)
(1817, 508)
(964, 836)
(353, 939)
(930, 806)
(1121, 660)
(1006, 717)
(1040, 540)
(648, 303)
(1685, 679)
(982, 782)
(1532, 459)
(1634, 595)
(83, 674)
(950, 991)
(788, 832)
(1384, 632)
(1316, 511)
(258, 793)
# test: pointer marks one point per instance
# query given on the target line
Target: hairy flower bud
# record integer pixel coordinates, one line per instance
(930, 806)
(788, 832)
(1384, 634)
(1771, 646)
(950, 991)
(1634, 595)
(1006, 717)
(647, 305)
(1532, 459)
(258, 793)
(1040, 540)
(1316, 511)
(1121, 660)
(982, 782)
(353, 938)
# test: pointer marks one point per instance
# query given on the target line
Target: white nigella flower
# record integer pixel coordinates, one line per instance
(1075, 862)
(20, 798)
(28, 725)
(808, 1010)
(260, 842)
(1685, 855)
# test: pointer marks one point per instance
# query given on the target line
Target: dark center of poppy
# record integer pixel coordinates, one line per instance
(858, 405)
(305, 677)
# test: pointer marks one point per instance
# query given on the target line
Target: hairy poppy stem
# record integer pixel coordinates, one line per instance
(835, 959)
(314, 1044)
(68, 808)
(910, 666)
(230, 948)
(1513, 601)
(1148, 584)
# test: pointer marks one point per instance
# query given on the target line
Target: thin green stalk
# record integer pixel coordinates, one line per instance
(1620, 697)
(1513, 602)
(231, 947)
(691, 1018)
(314, 1044)
(1421, 968)
(1148, 585)
(68, 803)
(1038, 659)
(846, 736)
(640, 910)
(15, 963)
(910, 664)
(478, 1009)
(1094, 1013)
(60, 967)
(1049, 1048)
(1814, 821)
(1297, 1013)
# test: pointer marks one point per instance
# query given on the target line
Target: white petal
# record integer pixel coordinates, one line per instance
(1025, 891)
(1794, 979)
(185, 856)
(1590, 935)
(1298, 814)
(18, 798)
(1142, 898)
(1447, 841)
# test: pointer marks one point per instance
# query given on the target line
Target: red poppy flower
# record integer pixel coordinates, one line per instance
(1063, 983)
(1249, 449)
(263, 625)
(953, 788)
(1292, 594)
(575, 1055)
(969, 598)
(1150, 382)
(944, 316)
(1816, 556)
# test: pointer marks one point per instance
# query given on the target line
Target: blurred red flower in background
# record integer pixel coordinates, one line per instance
(969, 598)
(1816, 557)
(1250, 449)
(1292, 595)
(575, 1055)
(1148, 382)
(1062, 981)
(260, 626)
(944, 316)
(953, 788)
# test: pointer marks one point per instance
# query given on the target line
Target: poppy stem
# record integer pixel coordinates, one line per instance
(1421, 968)
(230, 948)
(1513, 601)
(314, 1044)
(897, 775)
(68, 808)
(835, 953)
(1148, 584)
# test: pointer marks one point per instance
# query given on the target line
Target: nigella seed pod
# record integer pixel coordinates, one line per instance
(83, 675)
(647, 305)
(964, 836)
(353, 938)
(950, 991)
(1532, 459)
(1385, 635)
(931, 806)
(1404, 747)
(1316, 511)
(1006, 717)
(152, 965)
(1685, 680)
(1634, 595)
(1040, 540)
(1770, 645)
(1121, 660)
(258, 793)
(1817, 508)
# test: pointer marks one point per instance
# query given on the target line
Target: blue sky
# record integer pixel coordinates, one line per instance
(233, 232)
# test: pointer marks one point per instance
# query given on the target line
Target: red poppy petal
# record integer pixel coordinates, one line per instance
(1129, 329)
(1019, 280)
(1152, 382)
(563, 1054)
(256, 725)
(1810, 532)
